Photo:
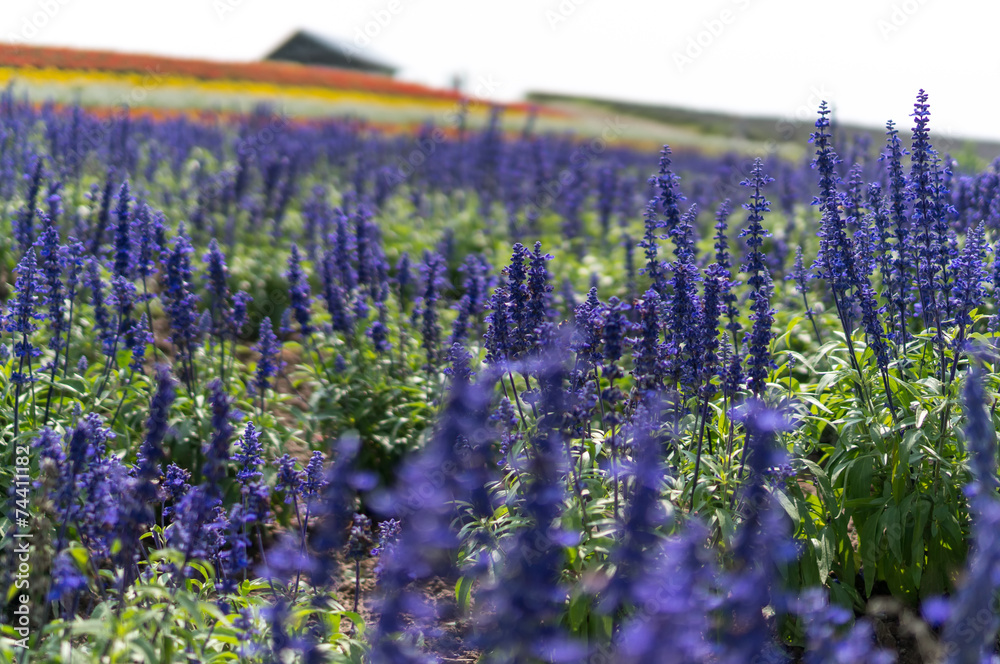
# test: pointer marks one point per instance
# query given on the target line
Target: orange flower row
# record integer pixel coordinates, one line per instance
(281, 73)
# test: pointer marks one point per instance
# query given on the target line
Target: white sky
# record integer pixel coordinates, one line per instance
(773, 57)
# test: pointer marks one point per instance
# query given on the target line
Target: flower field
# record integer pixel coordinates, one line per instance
(281, 390)
(144, 83)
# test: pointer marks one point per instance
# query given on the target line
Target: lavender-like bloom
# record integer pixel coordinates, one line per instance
(180, 302)
(268, 365)
(835, 260)
(682, 303)
(498, 343)
(899, 284)
(298, 292)
(217, 276)
(248, 456)
(759, 338)
(922, 192)
(654, 266)
(586, 341)
(289, 480)
(433, 270)
(359, 541)
(23, 226)
(140, 338)
(151, 451)
(972, 625)
(217, 450)
(403, 280)
(761, 545)
(51, 264)
(968, 290)
(647, 357)
(145, 227)
(22, 316)
(239, 313)
(102, 321)
(123, 238)
(517, 305)
(67, 580)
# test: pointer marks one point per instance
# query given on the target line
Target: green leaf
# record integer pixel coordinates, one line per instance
(463, 593)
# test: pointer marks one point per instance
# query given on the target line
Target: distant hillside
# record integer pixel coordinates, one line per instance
(758, 129)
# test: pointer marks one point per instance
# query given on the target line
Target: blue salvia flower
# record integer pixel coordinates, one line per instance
(426, 506)
(827, 637)
(459, 360)
(607, 187)
(289, 480)
(682, 303)
(217, 450)
(759, 338)
(67, 580)
(23, 315)
(476, 285)
(123, 297)
(139, 339)
(517, 305)
(723, 258)
(460, 326)
(968, 290)
(722, 237)
(922, 193)
(175, 486)
(628, 244)
(636, 551)
(51, 264)
(874, 332)
(379, 330)
(123, 236)
(313, 477)
(761, 545)
(971, 629)
(359, 540)
(799, 274)
(968, 276)
(151, 453)
(902, 267)
(102, 321)
(497, 337)
(519, 615)
(144, 230)
(881, 232)
(654, 266)
(24, 224)
(345, 252)
(616, 326)
(647, 366)
(180, 302)
(715, 277)
(217, 276)
(239, 313)
(432, 270)
(676, 600)
(668, 198)
(298, 292)
(835, 259)
(587, 331)
(332, 504)
(268, 365)
(248, 456)
(403, 280)
(74, 265)
(336, 297)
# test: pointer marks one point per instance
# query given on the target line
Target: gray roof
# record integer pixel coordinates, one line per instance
(309, 48)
